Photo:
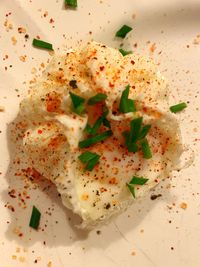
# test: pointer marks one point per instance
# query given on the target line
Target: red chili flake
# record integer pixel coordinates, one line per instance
(132, 62)
(102, 68)
(111, 84)
(39, 131)
(51, 20)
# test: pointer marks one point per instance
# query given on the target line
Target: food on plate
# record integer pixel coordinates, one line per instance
(100, 128)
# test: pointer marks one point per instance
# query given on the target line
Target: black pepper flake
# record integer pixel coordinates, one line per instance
(107, 206)
(98, 232)
(73, 84)
(153, 197)
(26, 36)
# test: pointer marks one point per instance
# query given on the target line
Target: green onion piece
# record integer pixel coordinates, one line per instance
(88, 128)
(131, 189)
(90, 158)
(35, 218)
(97, 125)
(95, 139)
(178, 107)
(146, 149)
(96, 99)
(138, 180)
(106, 122)
(72, 3)
(136, 125)
(87, 156)
(126, 105)
(132, 147)
(144, 131)
(124, 52)
(42, 44)
(77, 102)
(92, 163)
(122, 32)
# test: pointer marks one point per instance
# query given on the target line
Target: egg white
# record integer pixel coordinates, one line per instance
(53, 133)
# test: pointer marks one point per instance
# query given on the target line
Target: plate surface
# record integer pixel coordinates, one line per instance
(163, 232)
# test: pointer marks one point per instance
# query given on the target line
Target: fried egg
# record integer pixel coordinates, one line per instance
(55, 130)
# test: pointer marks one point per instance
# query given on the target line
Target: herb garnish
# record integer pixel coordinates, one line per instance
(126, 105)
(78, 103)
(90, 158)
(95, 139)
(71, 3)
(178, 107)
(35, 218)
(124, 52)
(122, 32)
(42, 44)
(135, 181)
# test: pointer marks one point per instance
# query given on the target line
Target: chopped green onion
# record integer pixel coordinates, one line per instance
(93, 130)
(122, 32)
(126, 105)
(42, 44)
(146, 149)
(35, 218)
(136, 125)
(138, 180)
(132, 147)
(131, 189)
(92, 163)
(137, 134)
(178, 107)
(96, 99)
(106, 122)
(90, 158)
(72, 3)
(95, 139)
(88, 128)
(124, 52)
(77, 102)
(144, 131)
(87, 156)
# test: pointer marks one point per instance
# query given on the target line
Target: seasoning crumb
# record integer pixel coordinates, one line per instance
(152, 48)
(21, 30)
(153, 197)
(8, 25)
(49, 264)
(142, 231)
(133, 253)
(14, 257)
(23, 58)
(14, 40)
(2, 109)
(183, 205)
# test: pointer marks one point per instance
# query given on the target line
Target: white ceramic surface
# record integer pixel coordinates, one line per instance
(151, 233)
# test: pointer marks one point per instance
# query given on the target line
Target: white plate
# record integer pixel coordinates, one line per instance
(151, 233)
